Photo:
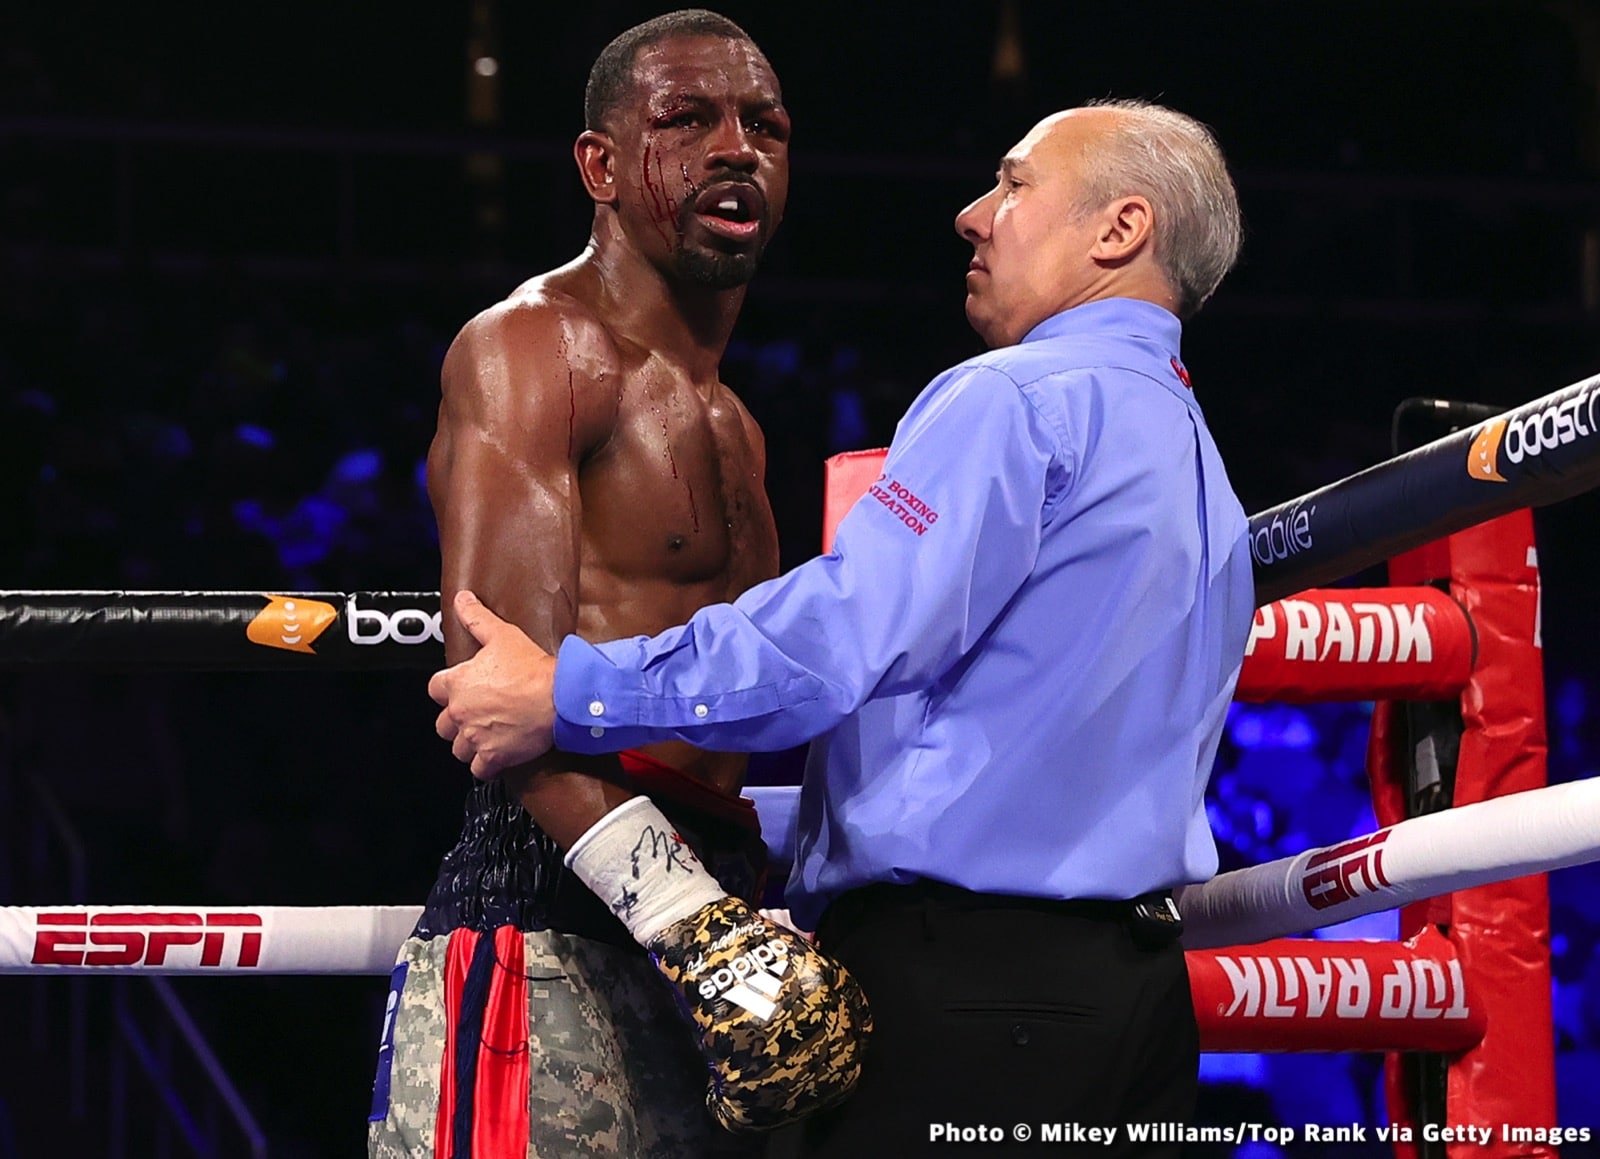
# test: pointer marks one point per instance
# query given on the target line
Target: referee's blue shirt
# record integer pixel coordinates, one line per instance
(1017, 659)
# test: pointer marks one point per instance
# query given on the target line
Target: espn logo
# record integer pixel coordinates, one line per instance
(81, 938)
(1345, 871)
(291, 624)
(753, 980)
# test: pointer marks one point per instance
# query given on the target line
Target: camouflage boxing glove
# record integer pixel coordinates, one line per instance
(781, 1027)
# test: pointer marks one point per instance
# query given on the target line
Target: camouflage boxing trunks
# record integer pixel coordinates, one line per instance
(523, 1021)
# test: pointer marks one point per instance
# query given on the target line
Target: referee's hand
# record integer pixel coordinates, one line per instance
(499, 706)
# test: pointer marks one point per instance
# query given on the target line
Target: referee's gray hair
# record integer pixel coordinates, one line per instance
(1173, 161)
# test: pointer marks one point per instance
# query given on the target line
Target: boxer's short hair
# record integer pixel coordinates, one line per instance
(612, 74)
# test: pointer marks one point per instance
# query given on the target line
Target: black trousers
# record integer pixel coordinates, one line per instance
(991, 1012)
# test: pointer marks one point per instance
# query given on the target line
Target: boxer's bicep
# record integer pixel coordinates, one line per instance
(503, 478)
(510, 534)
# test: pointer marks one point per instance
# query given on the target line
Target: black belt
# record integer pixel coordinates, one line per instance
(1152, 918)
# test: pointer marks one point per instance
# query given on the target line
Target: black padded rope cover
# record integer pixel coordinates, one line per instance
(220, 631)
(1538, 453)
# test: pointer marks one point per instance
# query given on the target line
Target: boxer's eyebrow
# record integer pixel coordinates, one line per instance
(763, 105)
(670, 104)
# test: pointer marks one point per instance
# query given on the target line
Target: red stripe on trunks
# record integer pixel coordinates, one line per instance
(457, 958)
(500, 1125)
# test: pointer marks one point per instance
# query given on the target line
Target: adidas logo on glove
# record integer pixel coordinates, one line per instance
(752, 980)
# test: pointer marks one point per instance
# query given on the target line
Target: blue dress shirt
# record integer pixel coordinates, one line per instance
(1017, 659)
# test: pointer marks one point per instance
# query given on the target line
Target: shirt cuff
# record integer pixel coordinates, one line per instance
(605, 702)
(591, 698)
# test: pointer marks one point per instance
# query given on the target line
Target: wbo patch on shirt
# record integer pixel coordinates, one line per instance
(904, 504)
(1183, 375)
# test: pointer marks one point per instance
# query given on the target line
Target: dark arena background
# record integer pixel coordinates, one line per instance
(235, 241)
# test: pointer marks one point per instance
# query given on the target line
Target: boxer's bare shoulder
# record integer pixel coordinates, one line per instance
(540, 361)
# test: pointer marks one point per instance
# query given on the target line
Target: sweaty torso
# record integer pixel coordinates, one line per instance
(674, 509)
(584, 483)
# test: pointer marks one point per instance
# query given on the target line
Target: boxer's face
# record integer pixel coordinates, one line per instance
(1032, 247)
(701, 158)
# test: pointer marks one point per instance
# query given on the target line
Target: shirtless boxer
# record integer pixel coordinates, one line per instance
(590, 474)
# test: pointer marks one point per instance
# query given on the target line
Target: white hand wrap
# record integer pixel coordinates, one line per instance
(634, 860)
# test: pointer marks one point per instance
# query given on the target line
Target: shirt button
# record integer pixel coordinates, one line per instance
(597, 731)
(700, 710)
(596, 708)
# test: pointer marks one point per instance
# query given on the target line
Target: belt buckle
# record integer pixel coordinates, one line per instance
(1154, 920)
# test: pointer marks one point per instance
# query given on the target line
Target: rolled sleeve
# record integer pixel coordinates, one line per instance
(607, 698)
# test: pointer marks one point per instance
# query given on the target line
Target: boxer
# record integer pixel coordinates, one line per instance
(591, 474)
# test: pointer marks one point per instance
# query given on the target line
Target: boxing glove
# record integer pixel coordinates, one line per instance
(781, 1027)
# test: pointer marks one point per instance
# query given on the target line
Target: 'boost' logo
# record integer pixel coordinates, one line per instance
(1483, 458)
(292, 625)
(406, 626)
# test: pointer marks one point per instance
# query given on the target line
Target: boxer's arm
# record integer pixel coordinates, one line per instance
(503, 480)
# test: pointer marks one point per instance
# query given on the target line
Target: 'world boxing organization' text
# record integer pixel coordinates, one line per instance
(904, 504)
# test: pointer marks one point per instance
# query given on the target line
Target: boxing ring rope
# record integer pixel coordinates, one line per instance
(1406, 643)
(176, 939)
(1479, 844)
(1279, 995)
(1435, 991)
(1538, 453)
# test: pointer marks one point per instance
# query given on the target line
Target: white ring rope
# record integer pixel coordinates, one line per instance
(1531, 832)
(178, 939)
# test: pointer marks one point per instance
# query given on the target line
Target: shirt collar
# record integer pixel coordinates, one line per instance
(1131, 316)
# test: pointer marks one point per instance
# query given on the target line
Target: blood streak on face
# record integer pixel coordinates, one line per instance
(661, 215)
